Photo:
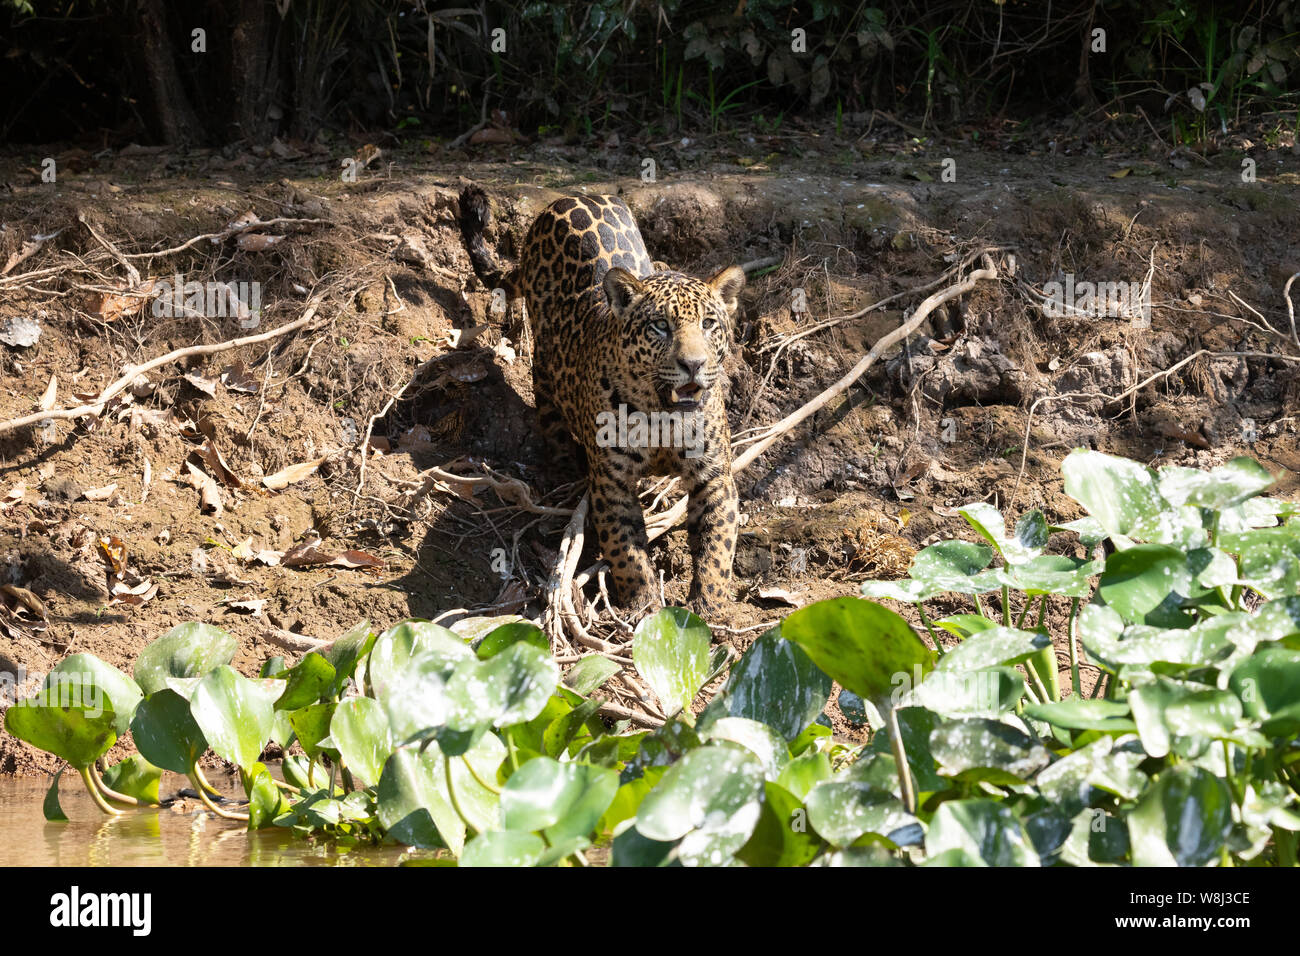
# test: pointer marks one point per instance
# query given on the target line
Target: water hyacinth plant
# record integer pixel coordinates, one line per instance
(474, 741)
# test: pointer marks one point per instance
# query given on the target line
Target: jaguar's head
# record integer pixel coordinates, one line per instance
(676, 331)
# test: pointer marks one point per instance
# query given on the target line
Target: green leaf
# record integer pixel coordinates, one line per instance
(1122, 495)
(306, 682)
(671, 651)
(396, 649)
(562, 800)
(1181, 820)
(859, 643)
(165, 733)
(136, 777)
(590, 673)
(410, 670)
(1148, 584)
(50, 807)
(86, 681)
(954, 566)
(627, 802)
(503, 848)
(916, 724)
(782, 836)
(572, 731)
(312, 725)
(1270, 559)
(510, 688)
(631, 848)
(983, 830)
(264, 800)
(844, 810)
(412, 803)
(710, 800)
(804, 772)
(983, 692)
(962, 746)
(235, 714)
(505, 635)
(964, 625)
(778, 684)
(1078, 714)
(1226, 486)
(1268, 685)
(346, 651)
(1165, 709)
(189, 650)
(758, 738)
(1030, 537)
(997, 646)
(359, 729)
(1052, 574)
(78, 735)
(1107, 639)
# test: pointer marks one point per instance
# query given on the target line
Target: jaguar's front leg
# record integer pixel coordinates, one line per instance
(712, 523)
(620, 526)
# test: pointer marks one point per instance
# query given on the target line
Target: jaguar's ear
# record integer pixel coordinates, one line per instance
(728, 284)
(621, 287)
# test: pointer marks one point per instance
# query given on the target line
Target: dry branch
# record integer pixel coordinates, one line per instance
(96, 406)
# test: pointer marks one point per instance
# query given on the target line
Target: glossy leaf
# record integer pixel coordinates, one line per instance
(777, 684)
(188, 650)
(859, 643)
(671, 651)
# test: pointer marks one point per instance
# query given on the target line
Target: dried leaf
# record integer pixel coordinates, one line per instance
(358, 559)
(237, 378)
(293, 474)
(26, 599)
(257, 241)
(208, 386)
(28, 250)
(248, 607)
(47, 398)
(780, 594)
(217, 464)
(305, 555)
(116, 305)
(209, 493)
(99, 494)
(145, 480)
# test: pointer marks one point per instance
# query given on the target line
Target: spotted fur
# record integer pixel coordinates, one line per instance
(613, 328)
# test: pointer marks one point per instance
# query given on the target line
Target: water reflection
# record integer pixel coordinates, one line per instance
(162, 837)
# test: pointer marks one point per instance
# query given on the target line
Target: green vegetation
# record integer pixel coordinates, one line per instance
(590, 69)
(485, 748)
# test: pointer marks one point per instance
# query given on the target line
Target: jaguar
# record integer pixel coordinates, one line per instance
(621, 338)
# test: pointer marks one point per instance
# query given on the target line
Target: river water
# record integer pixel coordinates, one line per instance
(156, 837)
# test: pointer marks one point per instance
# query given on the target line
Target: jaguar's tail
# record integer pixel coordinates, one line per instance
(475, 215)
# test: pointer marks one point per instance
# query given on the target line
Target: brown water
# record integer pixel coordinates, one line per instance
(156, 837)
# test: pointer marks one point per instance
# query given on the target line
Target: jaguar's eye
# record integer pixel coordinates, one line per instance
(710, 324)
(658, 327)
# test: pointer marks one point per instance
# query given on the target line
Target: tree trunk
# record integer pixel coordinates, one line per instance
(249, 71)
(176, 119)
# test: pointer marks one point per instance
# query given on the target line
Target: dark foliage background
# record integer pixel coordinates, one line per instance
(121, 70)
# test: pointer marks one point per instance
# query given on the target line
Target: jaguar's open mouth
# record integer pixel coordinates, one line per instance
(686, 397)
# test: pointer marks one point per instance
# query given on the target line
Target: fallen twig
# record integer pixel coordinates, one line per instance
(96, 406)
(228, 233)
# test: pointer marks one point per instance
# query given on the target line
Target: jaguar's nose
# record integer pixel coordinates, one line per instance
(691, 367)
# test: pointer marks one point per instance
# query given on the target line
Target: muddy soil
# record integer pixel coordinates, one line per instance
(851, 494)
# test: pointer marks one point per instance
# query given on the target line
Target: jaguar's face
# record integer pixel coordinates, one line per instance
(676, 332)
